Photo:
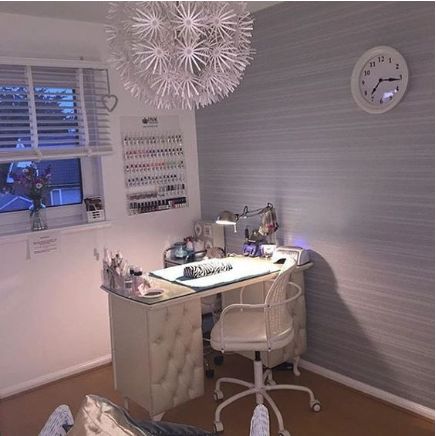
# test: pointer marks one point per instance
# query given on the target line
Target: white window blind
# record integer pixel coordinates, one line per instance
(51, 112)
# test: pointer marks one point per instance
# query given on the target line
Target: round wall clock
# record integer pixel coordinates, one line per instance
(379, 79)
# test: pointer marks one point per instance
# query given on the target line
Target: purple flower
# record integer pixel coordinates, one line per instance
(29, 178)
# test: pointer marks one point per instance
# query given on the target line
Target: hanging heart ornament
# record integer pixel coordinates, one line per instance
(109, 101)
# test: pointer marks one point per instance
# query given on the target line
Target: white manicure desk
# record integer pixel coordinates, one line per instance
(157, 346)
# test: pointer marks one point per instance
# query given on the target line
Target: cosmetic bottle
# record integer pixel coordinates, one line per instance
(106, 266)
(117, 261)
(128, 280)
(137, 281)
(106, 257)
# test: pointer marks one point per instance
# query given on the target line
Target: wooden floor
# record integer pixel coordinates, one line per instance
(345, 412)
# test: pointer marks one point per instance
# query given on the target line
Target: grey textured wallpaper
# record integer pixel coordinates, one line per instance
(356, 188)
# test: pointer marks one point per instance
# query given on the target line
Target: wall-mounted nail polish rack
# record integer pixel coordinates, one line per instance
(155, 173)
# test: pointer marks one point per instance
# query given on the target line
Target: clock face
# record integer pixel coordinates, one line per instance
(379, 79)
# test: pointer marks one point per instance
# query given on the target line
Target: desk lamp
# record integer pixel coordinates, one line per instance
(268, 224)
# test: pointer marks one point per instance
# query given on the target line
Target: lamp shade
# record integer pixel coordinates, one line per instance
(227, 218)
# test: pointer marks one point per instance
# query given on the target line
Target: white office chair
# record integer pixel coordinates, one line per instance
(259, 327)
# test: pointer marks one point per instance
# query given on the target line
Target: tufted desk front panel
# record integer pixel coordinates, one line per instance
(157, 354)
(176, 355)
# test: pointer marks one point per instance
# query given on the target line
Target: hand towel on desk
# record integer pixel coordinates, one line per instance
(242, 269)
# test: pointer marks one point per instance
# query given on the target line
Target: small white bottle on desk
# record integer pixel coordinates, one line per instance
(137, 282)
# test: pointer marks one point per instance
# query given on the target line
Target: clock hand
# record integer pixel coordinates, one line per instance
(390, 79)
(376, 86)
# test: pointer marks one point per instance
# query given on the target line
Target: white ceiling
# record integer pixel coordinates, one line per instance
(93, 11)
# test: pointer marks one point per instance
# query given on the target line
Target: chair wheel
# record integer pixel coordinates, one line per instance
(218, 427)
(316, 406)
(218, 360)
(284, 433)
(218, 395)
(209, 373)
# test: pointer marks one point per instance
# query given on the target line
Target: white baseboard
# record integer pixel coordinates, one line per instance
(370, 390)
(347, 381)
(57, 375)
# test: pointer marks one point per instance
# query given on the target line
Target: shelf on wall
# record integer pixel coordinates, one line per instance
(74, 228)
(154, 164)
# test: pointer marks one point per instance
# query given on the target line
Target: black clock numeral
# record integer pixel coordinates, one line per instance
(401, 77)
(390, 60)
(366, 92)
(397, 66)
(372, 64)
(381, 58)
(367, 72)
(381, 101)
(363, 82)
(397, 88)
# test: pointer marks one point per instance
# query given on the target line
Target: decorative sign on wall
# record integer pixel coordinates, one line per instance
(43, 243)
(154, 163)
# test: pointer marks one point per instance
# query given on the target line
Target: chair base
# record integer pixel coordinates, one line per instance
(263, 383)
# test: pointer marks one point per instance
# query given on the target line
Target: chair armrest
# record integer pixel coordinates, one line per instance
(193, 255)
(233, 307)
(166, 251)
(288, 300)
(241, 295)
(297, 295)
(242, 307)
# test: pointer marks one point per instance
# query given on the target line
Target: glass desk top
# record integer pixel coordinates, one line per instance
(245, 271)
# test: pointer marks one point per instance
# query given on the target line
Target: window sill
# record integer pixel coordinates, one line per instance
(74, 228)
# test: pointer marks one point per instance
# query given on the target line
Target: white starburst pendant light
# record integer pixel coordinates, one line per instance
(180, 55)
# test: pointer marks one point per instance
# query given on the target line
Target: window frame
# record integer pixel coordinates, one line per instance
(81, 165)
(59, 216)
(85, 149)
(90, 161)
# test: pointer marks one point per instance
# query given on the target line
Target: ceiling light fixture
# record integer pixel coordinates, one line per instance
(180, 55)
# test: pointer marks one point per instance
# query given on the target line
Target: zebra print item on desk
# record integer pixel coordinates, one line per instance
(213, 266)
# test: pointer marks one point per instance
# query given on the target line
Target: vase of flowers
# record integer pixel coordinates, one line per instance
(34, 183)
(38, 215)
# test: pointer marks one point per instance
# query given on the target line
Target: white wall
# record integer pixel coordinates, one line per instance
(53, 316)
